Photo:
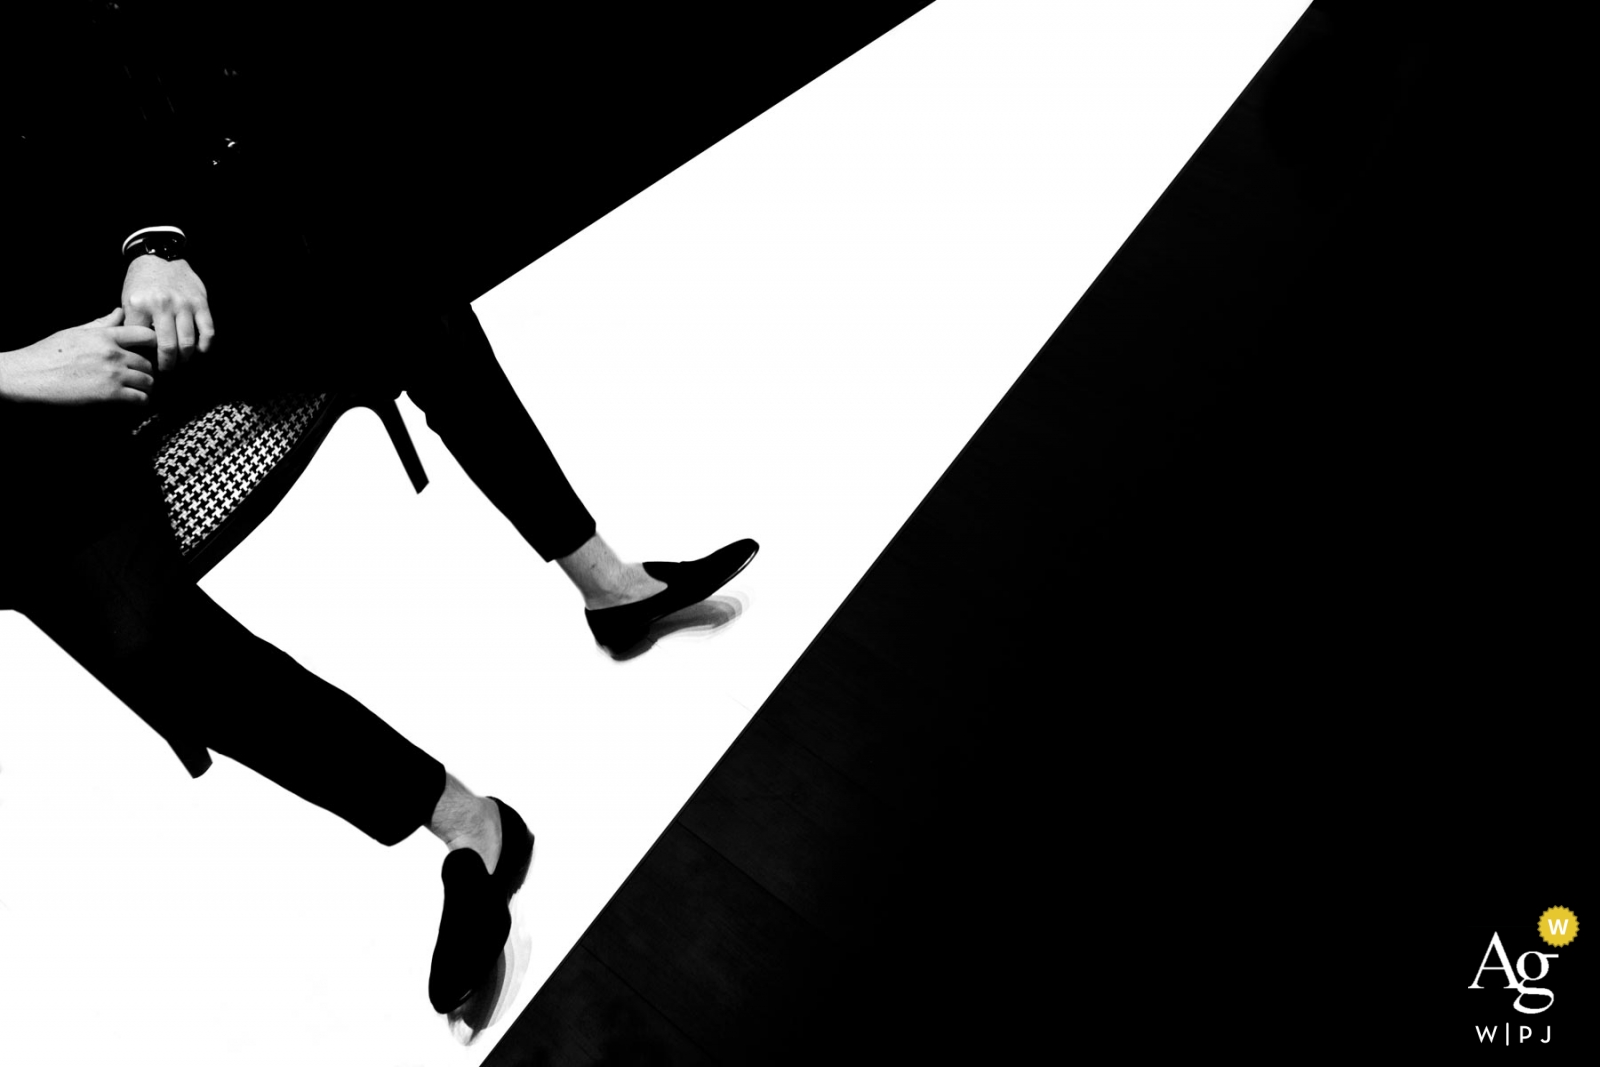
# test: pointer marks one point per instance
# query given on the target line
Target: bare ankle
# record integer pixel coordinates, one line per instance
(462, 819)
(594, 568)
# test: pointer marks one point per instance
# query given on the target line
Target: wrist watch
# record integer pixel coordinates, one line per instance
(163, 243)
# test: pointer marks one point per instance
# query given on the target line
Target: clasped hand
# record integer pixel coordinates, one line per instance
(164, 312)
(169, 298)
(89, 364)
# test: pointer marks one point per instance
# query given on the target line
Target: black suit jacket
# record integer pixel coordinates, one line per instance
(86, 163)
(91, 152)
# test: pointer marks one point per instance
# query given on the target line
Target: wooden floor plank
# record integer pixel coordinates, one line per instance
(815, 840)
(614, 1025)
(850, 706)
(717, 954)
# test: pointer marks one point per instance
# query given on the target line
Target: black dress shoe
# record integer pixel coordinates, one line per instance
(477, 913)
(620, 628)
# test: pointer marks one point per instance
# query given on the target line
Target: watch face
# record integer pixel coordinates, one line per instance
(163, 245)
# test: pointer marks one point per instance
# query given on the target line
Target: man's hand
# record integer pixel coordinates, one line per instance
(88, 364)
(169, 298)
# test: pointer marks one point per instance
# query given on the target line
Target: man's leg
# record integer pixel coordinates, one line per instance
(445, 363)
(459, 384)
(123, 608)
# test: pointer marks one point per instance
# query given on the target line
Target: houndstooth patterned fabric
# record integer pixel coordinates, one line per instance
(211, 463)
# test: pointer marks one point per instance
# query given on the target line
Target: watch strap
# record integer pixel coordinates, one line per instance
(167, 244)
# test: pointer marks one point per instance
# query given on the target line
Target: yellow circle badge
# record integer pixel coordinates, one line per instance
(1558, 926)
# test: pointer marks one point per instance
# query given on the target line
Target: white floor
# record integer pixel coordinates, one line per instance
(790, 338)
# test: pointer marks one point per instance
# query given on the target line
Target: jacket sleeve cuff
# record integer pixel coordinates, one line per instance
(150, 229)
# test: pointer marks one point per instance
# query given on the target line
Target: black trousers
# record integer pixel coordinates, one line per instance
(104, 579)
